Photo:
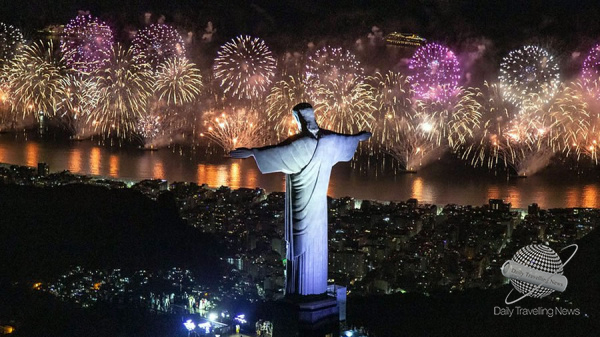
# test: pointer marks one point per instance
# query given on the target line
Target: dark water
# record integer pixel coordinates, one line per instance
(448, 181)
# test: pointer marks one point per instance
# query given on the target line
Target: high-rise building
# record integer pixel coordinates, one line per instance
(533, 209)
(43, 169)
(499, 205)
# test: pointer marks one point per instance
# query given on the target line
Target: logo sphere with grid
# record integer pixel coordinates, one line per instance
(538, 257)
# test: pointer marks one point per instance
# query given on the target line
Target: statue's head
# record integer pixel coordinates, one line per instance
(305, 117)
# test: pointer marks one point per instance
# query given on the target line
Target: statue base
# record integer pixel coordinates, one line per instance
(311, 316)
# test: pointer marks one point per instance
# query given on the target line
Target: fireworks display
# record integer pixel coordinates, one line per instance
(332, 64)
(466, 115)
(334, 82)
(503, 138)
(525, 146)
(434, 72)
(345, 106)
(393, 100)
(397, 129)
(245, 67)
(410, 145)
(231, 128)
(177, 81)
(591, 71)
(161, 126)
(443, 122)
(86, 43)
(154, 94)
(124, 89)
(496, 115)
(284, 95)
(572, 125)
(156, 44)
(11, 40)
(34, 78)
(530, 70)
(80, 96)
(148, 127)
(6, 117)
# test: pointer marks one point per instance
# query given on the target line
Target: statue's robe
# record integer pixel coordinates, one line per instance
(307, 163)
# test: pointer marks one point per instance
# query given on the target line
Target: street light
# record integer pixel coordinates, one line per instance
(190, 326)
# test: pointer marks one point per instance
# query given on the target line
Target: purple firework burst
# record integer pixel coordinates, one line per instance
(434, 72)
(591, 71)
(157, 43)
(86, 43)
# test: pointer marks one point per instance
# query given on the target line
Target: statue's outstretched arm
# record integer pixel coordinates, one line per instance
(244, 152)
(363, 135)
(241, 153)
(346, 145)
(288, 157)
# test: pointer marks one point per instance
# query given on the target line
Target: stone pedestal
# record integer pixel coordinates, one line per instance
(314, 312)
(307, 316)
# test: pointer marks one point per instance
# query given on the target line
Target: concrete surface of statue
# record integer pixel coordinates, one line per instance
(306, 158)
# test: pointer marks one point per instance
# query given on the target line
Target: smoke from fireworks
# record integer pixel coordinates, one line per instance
(157, 43)
(124, 89)
(11, 40)
(530, 70)
(86, 43)
(434, 72)
(245, 67)
(177, 81)
(234, 127)
(34, 78)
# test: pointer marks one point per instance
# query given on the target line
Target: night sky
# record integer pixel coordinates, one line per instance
(509, 20)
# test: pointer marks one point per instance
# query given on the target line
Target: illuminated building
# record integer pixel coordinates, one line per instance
(404, 40)
(52, 32)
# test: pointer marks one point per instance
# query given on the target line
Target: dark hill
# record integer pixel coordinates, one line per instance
(583, 273)
(44, 231)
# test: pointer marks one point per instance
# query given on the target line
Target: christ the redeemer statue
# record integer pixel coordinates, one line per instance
(306, 159)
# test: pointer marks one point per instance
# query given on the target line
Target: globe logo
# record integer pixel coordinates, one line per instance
(536, 271)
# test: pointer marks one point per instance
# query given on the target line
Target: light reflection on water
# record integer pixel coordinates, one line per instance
(439, 184)
(31, 150)
(75, 161)
(95, 161)
(114, 166)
